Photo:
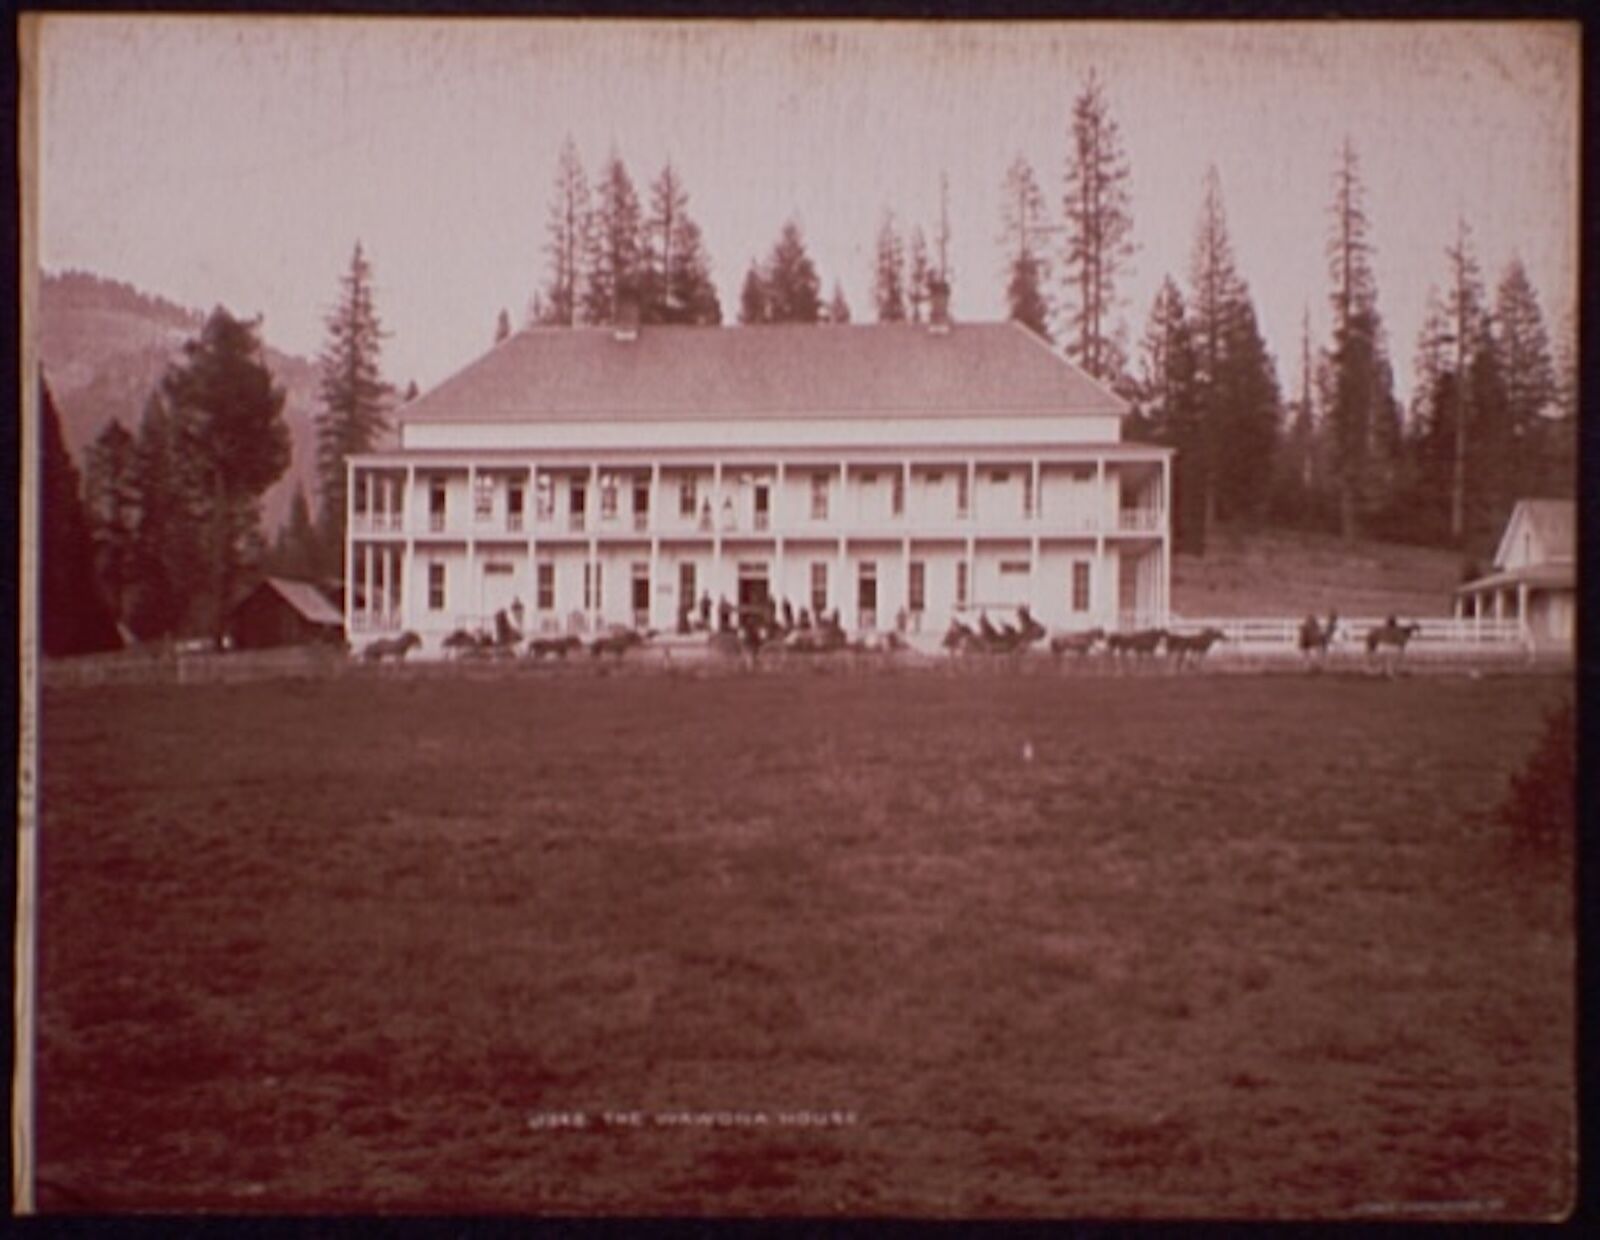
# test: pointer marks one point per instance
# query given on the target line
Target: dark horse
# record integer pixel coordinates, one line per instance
(1141, 643)
(618, 642)
(1080, 644)
(1391, 633)
(989, 638)
(391, 648)
(1192, 647)
(1315, 639)
(555, 647)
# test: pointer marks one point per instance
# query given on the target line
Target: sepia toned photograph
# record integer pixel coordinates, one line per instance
(775, 619)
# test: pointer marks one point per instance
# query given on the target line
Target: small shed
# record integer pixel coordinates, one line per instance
(282, 612)
(1534, 579)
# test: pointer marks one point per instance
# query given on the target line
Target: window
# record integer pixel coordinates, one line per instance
(514, 508)
(608, 496)
(962, 486)
(762, 505)
(961, 583)
(1080, 586)
(483, 496)
(999, 477)
(819, 588)
(686, 497)
(641, 594)
(917, 587)
(436, 504)
(869, 479)
(361, 495)
(436, 587)
(1027, 493)
(897, 501)
(547, 586)
(686, 584)
(1013, 568)
(819, 497)
(498, 568)
(545, 491)
(935, 479)
(641, 499)
(591, 587)
(577, 501)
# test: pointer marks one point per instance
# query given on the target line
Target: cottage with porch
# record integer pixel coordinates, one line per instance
(1533, 580)
(578, 478)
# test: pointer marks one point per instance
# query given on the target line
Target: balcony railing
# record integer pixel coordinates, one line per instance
(378, 522)
(514, 522)
(575, 522)
(1138, 520)
(641, 521)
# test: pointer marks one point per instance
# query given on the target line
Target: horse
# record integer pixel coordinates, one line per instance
(1080, 644)
(1391, 633)
(991, 639)
(1192, 647)
(555, 647)
(1316, 639)
(618, 642)
(391, 647)
(464, 645)
(1141, 643)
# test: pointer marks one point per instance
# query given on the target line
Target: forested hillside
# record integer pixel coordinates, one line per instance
(105, 346)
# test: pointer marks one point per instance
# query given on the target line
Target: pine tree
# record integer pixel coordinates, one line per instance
(1522, 351)
(793, 289)
(1361, 408)
(1099, 224)
(1214, 299)
(919, 274)
(838, 307)
(676, 281)
(73, 617)
(1251, 405)
(1464, 311)
(753, 297)
(228, 415)
(615, 270)
(1022, 218)
(168, 558)
(296, 553)
(355, 399)
(889, 279)
(1169, 405)
(568, 244)
(111, 501)
(943, 271)
(502, 326)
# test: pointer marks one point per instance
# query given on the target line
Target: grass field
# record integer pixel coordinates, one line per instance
(1225, 946)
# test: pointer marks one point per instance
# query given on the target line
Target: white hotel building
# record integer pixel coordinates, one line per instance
(587, 477)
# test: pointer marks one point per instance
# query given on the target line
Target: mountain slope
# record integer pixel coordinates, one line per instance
(105, 346)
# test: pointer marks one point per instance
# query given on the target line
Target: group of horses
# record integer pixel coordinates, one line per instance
(761, 630)
(1317, 639)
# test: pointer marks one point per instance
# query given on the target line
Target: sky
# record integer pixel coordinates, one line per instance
(236, 161)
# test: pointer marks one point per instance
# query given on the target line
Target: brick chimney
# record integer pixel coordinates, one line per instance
(938, 306)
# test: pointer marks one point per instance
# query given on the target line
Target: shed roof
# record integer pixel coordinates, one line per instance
(305, 598)
(774, 371)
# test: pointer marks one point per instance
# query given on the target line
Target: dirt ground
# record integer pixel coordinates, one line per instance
(802, 944)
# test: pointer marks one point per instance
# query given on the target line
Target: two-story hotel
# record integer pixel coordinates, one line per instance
(579, 478)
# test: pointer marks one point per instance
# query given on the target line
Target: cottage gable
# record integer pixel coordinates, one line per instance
(1540, 531)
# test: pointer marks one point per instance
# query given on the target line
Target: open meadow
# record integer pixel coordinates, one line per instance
(801, 943)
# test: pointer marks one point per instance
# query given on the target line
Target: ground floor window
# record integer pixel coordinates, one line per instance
(961, 583)
(1080, 586)
(686, 584)
(547, 587)
(591, 587)
(819, 588)
(917, 586)
(641, 595)
(867, 594)
(436, 587)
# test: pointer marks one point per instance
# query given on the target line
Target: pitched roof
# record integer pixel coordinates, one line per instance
(1535, 577)
(1553, 521)
(306, 599)
(776, 371)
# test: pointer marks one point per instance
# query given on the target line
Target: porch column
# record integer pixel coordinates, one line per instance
(1036, 506)
(654, 522)
(474, 581)
(841, 522)
(349, 565)
(1522, 605)
(718, 586)
(1499, 604)
(972, 500)
(366, 582)
(1166, 538)
(972, 570)
(1100, 494)
(409, 499)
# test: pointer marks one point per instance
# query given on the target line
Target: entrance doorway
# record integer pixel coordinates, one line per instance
(753, 590)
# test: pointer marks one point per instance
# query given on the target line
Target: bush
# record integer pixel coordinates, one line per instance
(1541, 806)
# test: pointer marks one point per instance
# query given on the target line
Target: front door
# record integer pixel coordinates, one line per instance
(753, 593)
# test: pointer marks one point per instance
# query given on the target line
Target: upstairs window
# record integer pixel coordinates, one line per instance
(545, 493)
(687, 499)
(962, 497)
(897, 500)
(608, 495)
(483, 496)
(819, 497)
